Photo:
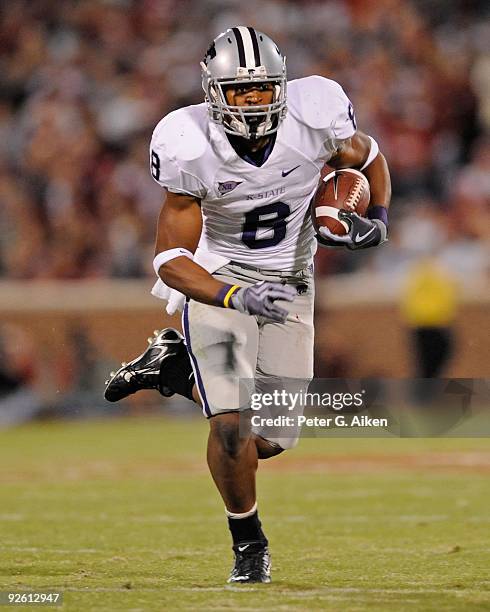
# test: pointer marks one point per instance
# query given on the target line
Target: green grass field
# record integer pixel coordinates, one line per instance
(122, 515)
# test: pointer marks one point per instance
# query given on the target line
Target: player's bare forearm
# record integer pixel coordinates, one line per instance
(378, 175)
(191, 279)
(179, 226)
(353, 154)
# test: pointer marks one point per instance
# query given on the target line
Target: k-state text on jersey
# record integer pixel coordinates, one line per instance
(266, 194)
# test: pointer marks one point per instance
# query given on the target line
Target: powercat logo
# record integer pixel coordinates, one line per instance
(227, 186)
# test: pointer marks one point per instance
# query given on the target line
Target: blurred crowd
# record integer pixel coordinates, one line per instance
(82, 84)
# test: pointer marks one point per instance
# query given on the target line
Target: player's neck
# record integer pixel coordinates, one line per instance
(246, 144)
(255, 145)
(254, 152)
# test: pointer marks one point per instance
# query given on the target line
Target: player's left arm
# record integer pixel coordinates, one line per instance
(362, 153)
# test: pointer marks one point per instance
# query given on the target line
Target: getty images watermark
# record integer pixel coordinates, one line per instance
(290, 402)
(282, 408)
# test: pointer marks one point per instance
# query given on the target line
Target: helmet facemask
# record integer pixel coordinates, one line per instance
(252, 121)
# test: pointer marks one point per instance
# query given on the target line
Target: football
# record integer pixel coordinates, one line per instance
(346, 189)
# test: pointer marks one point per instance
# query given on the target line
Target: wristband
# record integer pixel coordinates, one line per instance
(224, 295)
(378, 212)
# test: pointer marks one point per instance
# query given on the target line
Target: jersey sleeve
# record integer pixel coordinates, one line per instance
(323, 106)
(344, 125)
(341, 115)
(167, 170)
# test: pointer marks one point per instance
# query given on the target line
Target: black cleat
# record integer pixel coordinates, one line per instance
(252, 563)
(144, 371)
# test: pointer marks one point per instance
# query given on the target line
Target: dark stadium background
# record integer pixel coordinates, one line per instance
(82, 84)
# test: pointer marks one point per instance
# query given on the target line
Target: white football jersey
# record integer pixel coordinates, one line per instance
(256, 215)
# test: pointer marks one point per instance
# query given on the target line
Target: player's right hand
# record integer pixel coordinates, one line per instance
(327, 239)
(259, 300)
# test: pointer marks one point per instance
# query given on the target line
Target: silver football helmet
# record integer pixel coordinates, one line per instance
(244, 55)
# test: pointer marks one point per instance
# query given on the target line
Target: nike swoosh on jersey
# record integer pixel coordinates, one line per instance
(286, 172)
(358, 238)
(242, 548)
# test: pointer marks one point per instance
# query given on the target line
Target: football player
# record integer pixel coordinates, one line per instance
(235, 242)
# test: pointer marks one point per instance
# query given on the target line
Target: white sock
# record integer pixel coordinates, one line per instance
(241, 515)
